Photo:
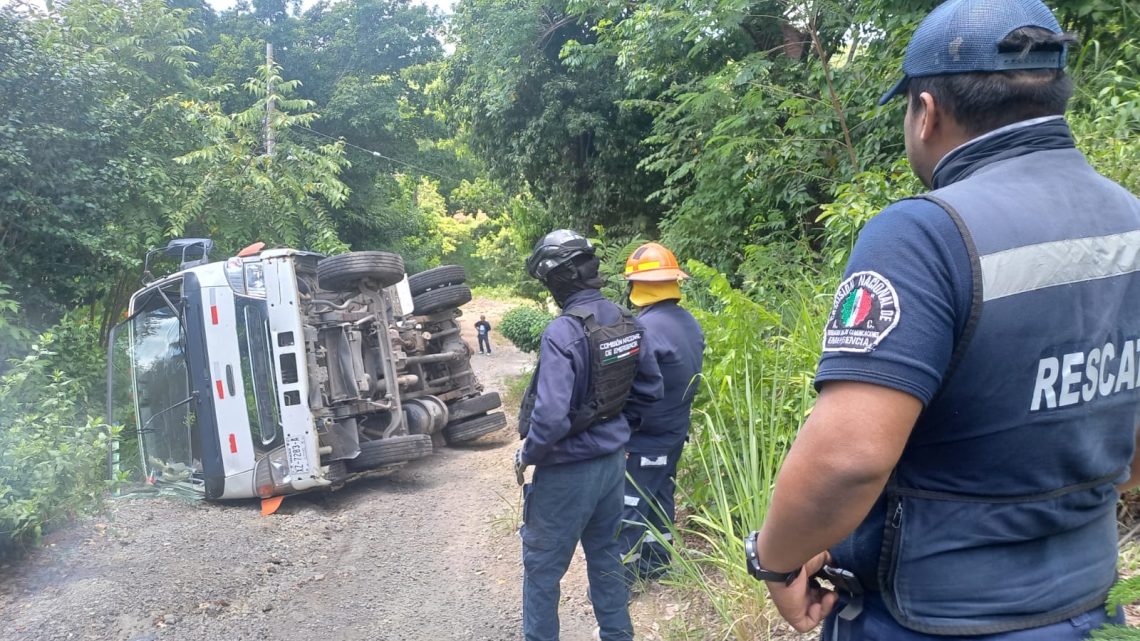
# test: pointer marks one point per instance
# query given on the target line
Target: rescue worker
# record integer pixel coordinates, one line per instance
(674, 339)
(589, 363)
(978, 392)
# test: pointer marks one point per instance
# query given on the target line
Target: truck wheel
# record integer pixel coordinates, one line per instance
(389, 451)
(440, 299)
(343, 271)
(469, 407)
(473, 428)
(435, 278)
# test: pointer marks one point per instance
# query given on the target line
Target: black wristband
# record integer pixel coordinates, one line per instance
(752, 562)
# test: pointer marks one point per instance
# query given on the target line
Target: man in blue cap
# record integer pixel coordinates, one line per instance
(590, 363)
(979, 389)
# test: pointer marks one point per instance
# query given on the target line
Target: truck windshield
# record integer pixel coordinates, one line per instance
(167, 422)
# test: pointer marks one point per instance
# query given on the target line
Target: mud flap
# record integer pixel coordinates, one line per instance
(270, 505)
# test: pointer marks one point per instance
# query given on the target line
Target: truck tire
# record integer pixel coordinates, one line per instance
(338, 472)
(343, 271)
(389, 451)
(435, 278)
(473, 428)
(440, 299)
(468, 407)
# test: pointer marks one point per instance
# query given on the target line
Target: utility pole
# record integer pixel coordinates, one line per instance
(270, 138)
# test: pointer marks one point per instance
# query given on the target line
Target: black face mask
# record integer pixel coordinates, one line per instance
(573, 278)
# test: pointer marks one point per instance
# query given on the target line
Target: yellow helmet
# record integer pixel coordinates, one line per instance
(652, 262)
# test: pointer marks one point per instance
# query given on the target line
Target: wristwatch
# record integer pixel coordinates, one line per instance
(752, 562)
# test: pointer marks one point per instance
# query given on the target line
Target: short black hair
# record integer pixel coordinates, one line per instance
(984, 101)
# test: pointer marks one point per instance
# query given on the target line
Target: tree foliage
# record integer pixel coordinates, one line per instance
(559, 131)
(293, 185)
(52, 453)
(85, 145)
(127, 123)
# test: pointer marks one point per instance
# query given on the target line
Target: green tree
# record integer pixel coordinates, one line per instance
(367, 66)
(244, 191)
(543, 126)
(763, 110)
(85, 146)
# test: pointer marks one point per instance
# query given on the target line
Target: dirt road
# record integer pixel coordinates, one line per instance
(429, 553)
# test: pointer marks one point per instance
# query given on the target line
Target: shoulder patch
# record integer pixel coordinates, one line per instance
(865, 310)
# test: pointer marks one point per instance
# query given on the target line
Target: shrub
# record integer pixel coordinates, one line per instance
(523, 327)
(53, 454)
(13, 335)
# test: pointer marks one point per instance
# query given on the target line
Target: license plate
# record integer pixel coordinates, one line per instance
(297, 454)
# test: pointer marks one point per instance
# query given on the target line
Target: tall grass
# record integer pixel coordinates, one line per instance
(1105, 115)
(756, 391)
(738, 445)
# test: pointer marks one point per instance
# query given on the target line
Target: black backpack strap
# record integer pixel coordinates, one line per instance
(587, 317)
(584, 315)
(526, 406)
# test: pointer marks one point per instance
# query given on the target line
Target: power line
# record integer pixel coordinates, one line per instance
(376, 153)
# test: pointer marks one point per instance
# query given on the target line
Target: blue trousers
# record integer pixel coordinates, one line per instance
(651, 480)
(484, 343)
(877, 624)
(566, 504)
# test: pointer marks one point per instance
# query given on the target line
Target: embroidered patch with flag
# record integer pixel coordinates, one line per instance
(866, 309)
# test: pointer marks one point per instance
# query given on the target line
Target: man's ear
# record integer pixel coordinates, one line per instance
(931, 118)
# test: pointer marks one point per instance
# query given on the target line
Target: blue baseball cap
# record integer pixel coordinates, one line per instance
(962, 36)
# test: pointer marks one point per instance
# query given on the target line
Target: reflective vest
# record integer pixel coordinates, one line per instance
(1000, 514)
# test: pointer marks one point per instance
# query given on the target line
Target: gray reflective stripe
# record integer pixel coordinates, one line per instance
(655, 461)
(1062, 262)
(632, 558)
(632, 501)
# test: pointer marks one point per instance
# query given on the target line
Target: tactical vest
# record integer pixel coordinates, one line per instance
(613, 353)
(1000, 514)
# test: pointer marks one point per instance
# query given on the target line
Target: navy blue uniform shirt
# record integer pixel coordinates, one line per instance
(675, 341)
(564, 382)
(916, 246)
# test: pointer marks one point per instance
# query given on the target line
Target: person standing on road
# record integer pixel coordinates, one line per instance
(674, 339)
(483, 328)
(978, 390)
(590, 361)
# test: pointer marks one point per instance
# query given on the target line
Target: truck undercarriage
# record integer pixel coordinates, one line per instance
(280, 371)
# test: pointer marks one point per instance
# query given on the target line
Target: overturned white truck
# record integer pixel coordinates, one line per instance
(278, 371)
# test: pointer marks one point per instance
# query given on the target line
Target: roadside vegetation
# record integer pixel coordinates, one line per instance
(745, 136)
(523, 326)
